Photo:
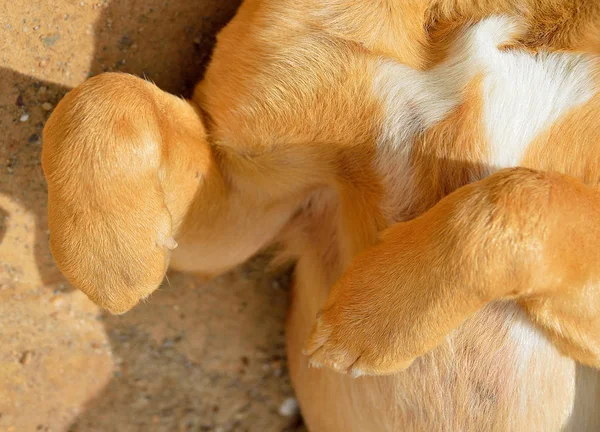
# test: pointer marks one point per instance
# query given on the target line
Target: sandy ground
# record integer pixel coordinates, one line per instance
(199, 356)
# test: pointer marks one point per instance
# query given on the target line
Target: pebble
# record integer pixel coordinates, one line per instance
(51, 40)
(277, 366)
(26, 357)
(42, 89)
(24, 118)
(47, 106)
(289, 407)
(57, 301)
(43, 63)
(125, 42)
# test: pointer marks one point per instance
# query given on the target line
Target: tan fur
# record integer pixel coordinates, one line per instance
(570, 145)
(281, 142)
(510, 236)
(453, 153)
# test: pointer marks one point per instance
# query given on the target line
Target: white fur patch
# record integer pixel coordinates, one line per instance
(415, 100)
(522, 95)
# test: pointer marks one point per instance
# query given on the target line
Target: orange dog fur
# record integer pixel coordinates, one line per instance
(320, 124)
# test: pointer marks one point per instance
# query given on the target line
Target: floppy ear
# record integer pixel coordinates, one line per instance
(519, 234)
(121, 177)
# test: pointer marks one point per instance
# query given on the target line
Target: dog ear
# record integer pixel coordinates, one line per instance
(111, 215)
(517, 235)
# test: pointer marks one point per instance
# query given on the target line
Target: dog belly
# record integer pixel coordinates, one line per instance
(496, 372)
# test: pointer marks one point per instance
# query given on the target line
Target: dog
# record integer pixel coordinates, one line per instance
(432, 166)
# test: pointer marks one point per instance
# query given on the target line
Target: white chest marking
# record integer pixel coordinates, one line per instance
(522, 95)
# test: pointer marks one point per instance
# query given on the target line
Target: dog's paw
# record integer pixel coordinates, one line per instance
(354, 343)
(382, 313)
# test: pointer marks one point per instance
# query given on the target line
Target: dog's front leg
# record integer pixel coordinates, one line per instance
(518, 234)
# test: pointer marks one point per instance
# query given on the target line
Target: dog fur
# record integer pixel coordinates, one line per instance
(466, 132)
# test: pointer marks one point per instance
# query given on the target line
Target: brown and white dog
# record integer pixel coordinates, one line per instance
(467, 131)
